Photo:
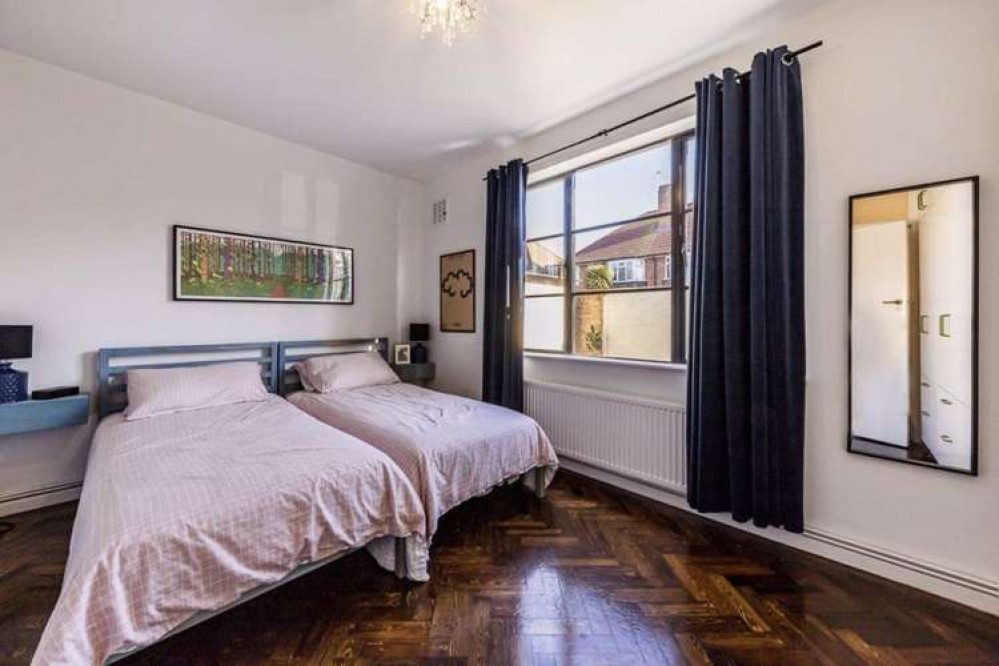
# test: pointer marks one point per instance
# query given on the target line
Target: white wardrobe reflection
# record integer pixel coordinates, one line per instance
(913, 343)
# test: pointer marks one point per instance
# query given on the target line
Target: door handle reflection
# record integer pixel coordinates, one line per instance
(944, 325)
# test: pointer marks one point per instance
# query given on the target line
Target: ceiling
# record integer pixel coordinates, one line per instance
(353, 77)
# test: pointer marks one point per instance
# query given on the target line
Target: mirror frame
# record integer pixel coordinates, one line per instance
(973, 468)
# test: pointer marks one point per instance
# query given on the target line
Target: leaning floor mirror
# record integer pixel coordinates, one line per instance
(913, 325)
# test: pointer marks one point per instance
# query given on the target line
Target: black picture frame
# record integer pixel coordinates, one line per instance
(176, 290)
(976, 252)
(474, 287)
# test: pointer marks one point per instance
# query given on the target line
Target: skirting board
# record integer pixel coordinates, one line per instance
(965, 588)
(37, 499)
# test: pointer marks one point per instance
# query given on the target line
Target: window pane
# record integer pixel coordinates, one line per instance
(689, 178)
(545, 209)
(545, 266)
(544, 323)
(634, 325)
(621, 189)
(627, 256)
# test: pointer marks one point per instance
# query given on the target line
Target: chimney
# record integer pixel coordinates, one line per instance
(664, 196)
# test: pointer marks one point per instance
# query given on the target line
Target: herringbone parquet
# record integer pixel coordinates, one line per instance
(588, 576)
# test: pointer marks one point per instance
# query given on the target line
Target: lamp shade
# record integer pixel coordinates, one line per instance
(15, 342)
(419, 332)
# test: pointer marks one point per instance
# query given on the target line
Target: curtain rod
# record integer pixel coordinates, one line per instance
(790, 55)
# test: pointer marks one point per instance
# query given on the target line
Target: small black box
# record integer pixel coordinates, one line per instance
(57, 392)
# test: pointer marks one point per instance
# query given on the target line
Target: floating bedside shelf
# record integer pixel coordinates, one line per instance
(32, 415)
(416, 373)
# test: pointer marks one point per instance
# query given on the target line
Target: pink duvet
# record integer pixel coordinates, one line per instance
(451, 448)
(186, 512)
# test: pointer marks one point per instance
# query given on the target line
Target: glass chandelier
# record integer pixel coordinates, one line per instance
(451, 17)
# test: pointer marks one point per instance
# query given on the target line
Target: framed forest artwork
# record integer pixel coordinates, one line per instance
(222, 266)
(458, 292)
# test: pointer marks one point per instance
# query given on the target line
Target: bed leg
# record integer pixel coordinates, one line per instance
(400, 557)
(539, 482)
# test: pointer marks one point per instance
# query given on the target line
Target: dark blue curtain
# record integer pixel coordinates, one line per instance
(746, 376)
(503, 347)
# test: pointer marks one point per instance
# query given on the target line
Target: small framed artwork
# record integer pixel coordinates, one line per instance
(213, 265)
(458, 292)
(402, 356)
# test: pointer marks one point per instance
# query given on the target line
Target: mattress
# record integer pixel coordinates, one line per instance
(450, 447)
(185, 513)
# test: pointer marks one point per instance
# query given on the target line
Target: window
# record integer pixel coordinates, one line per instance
(628, 270)
(602, 244)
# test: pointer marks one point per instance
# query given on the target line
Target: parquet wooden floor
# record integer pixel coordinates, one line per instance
(587, 576)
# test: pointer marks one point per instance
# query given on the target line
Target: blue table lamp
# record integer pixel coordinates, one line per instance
(15, 342)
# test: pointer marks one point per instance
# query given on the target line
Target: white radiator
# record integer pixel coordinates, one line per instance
(635, 437)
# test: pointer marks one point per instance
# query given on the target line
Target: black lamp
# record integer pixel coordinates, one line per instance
(15, 342)
(419, 333)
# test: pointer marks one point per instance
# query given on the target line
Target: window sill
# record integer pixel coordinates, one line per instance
(647, 365)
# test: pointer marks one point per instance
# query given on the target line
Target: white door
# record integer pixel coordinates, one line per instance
(879, 335)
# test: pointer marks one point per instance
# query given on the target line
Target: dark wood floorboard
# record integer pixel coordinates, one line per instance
(588, 576)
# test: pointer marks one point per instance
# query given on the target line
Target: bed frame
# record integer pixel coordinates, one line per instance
(113, 366)
(292, 352)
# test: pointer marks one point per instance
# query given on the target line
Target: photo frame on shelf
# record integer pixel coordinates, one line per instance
(402, 355)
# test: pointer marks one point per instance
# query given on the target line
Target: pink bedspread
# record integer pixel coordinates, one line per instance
(451, 448)
(186, 512)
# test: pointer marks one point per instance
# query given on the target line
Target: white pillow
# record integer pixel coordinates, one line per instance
(169, 390)
(325, 374)
(306, 384)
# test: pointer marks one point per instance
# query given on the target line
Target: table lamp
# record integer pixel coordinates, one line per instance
(15, 342)
(419, 333)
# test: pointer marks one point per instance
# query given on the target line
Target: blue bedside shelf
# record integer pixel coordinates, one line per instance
(32, 415)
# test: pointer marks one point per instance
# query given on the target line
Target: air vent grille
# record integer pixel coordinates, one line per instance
(440, 212)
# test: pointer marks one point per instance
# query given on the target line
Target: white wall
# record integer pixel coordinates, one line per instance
(93, 176)
(903, 92)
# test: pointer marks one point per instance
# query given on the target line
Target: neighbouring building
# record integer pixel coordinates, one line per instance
(626, 276)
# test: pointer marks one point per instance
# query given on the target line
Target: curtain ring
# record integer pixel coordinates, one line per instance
(787, 58)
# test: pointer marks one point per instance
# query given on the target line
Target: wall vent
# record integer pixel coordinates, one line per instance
(440, 212)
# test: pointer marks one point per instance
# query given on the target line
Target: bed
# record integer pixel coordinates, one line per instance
(450, 447)
(184, 515)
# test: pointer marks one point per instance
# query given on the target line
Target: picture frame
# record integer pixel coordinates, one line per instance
(402, 354)
(225, 266)
(457, 292)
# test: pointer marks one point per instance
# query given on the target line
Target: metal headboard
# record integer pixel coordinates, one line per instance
(291, 352)
(113, 396)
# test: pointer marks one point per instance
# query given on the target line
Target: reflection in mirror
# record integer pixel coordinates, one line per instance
(913, 337)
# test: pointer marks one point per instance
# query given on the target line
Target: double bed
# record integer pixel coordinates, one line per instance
(451, 448)
(183, 515)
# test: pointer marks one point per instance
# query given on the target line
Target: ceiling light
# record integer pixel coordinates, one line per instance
(450, 17)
